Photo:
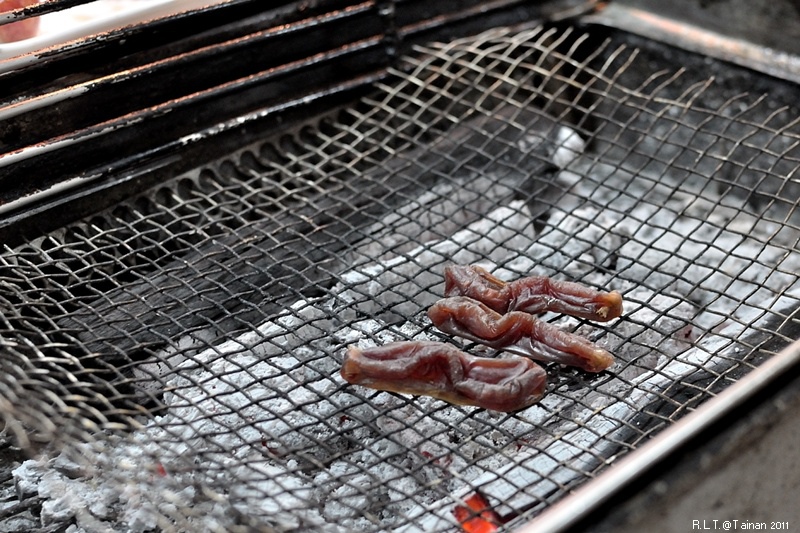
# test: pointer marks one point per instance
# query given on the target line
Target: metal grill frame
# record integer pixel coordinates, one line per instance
(722, 377)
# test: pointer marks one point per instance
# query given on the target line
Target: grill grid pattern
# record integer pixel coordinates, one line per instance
(145, 347)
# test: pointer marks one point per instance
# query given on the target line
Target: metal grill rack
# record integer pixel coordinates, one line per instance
(172, 353)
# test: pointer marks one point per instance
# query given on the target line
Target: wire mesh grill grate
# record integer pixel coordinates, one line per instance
(183, 349)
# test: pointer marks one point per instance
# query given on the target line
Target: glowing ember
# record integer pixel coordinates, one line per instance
(477, 516)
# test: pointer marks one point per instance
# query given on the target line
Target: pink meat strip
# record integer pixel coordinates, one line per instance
(517, 332)
(443, 371)
(535, 294)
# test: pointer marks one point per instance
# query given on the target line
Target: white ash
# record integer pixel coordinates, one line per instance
(264, 425)
(452, 204)
(716, 256)
(409, 284)
(239, 406)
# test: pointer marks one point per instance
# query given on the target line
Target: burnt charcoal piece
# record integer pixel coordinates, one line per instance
(477, 515)
(517, 332)
(445, 372)
(535, 294)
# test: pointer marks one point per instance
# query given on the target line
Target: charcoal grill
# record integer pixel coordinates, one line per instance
(201, 209)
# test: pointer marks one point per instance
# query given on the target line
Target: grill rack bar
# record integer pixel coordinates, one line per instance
(694, 37)
(239, 105)
(589, 503)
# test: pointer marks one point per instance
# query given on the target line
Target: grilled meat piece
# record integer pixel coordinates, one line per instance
(535, 294)
(445, 372)
(517, 332)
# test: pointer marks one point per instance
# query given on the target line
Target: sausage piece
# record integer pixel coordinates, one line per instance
(443, 371)
(517, 332)
(534, 294)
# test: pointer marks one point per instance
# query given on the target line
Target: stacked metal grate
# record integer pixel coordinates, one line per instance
(175, 359)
